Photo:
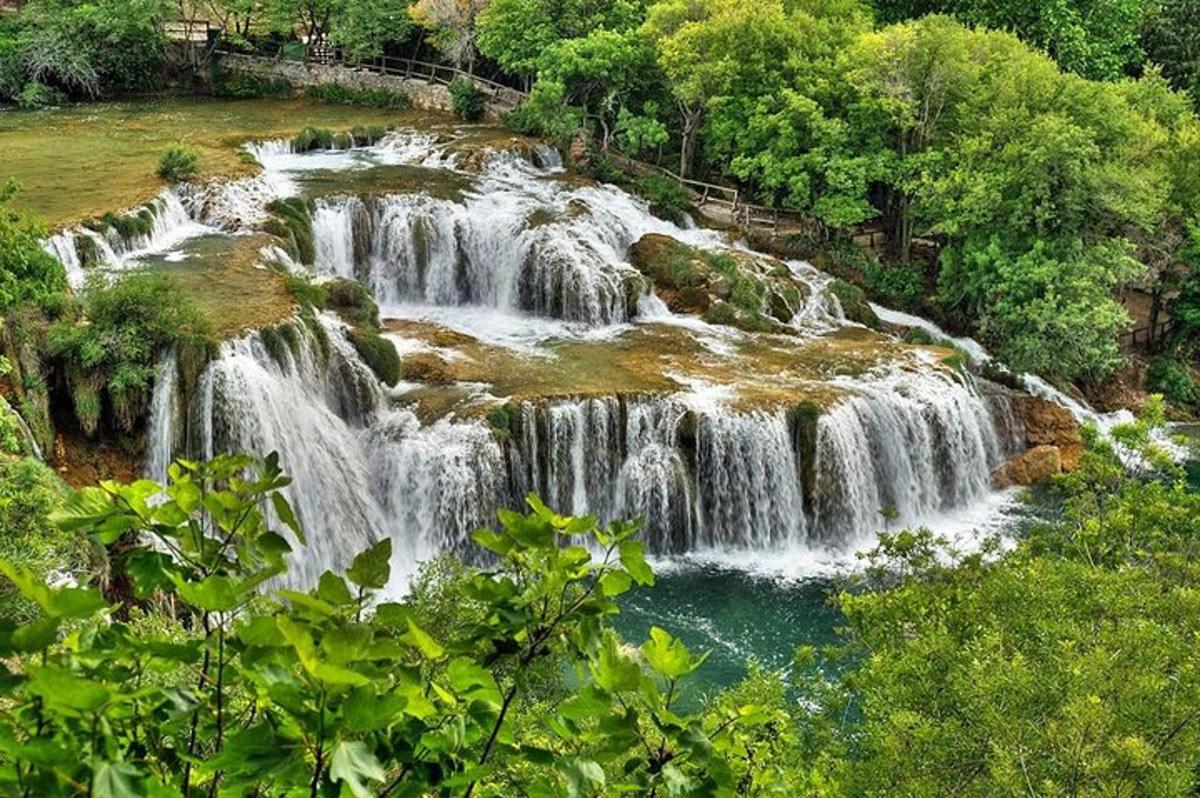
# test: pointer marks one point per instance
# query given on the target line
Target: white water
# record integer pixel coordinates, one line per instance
(172, 225)
(519, 260)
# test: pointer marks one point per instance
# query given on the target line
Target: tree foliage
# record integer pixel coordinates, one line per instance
(272, 690)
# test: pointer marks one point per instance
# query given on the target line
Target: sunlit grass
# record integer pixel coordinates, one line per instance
(84, 160)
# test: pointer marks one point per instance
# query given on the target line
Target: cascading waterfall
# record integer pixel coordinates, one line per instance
(82, 248)
(163, 433)
(419, 249)
(706, 475)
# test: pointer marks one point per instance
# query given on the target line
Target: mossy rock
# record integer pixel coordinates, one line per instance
(427, 367)
(291, 222)
(670, 263)
(378, 353)
(854, 303)
(352, 300)
(804, 420)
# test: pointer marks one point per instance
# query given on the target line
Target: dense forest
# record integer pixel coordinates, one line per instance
(1030, 165)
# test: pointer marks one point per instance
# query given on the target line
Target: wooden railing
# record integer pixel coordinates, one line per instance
(759, 218)
(1146, 337)
(188, 30)
(408, 68)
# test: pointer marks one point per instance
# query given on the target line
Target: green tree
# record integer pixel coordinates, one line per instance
(275, 691)
(27, 272)
(1094, 38)
(1013, 674)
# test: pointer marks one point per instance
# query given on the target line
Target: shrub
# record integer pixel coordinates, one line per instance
(114, 348)
(668, 198)
(1172, 377)
(27, 272)
(378, 353)
(29, 491)
(312, 138)
(242, 86)
(179, 163)
(373, 98)
(467, 100)
(36, 94)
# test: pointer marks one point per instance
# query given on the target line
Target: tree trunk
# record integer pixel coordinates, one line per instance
(691, 130)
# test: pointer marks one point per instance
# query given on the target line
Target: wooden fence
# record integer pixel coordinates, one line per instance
(723, 203)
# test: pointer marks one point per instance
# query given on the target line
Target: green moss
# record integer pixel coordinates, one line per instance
(669, 263)
(854, 303)
(378, 353)
(313, 138)
(804, 419)
(293, 214)
(502, 420)
(85, 387)
(306, 293)
(276, 345)
(88, 250)
(353, 301)
(343, 141)
(309, 317)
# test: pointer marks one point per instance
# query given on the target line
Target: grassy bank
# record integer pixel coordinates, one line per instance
(82, 161)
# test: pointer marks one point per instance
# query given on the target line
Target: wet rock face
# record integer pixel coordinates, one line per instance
(1029, 468)
(1053, 441)
(751, 293)
(1047, 423)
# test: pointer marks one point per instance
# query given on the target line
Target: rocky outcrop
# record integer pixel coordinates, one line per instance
(1030, 467)
(735, 289)
(1053, 441)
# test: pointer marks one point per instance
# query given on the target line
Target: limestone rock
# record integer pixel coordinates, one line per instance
(1047, 423)
(427, 367)
(1029, 468)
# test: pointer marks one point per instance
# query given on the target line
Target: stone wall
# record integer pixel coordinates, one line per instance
(425, 95)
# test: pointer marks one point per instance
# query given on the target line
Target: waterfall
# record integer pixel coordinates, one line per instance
(521, 249)
(420, 249)
(163, 431)
(750, 493)
(108, 249)
(301, 402)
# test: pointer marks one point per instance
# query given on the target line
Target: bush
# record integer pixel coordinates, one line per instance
(36, 94)
(113, 350)
(242, 86)
(29, 491)
(468, 100)
(373, 98)
(378, 353)
(667, 197)
(1172, 377)
(179, 163)
(27, 272)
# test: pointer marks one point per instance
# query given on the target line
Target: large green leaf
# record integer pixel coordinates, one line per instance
(116, 780)
(372, 567)
(633, 557)
(215, 593)
(353, 764)
(421, 639)
(668, 656)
